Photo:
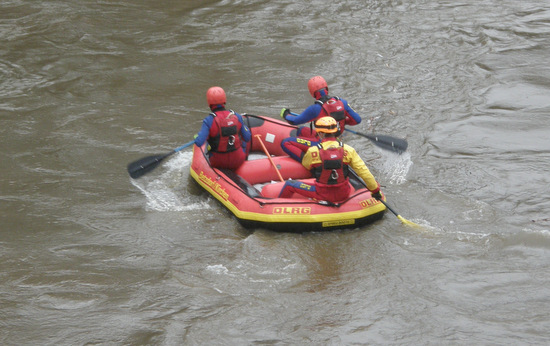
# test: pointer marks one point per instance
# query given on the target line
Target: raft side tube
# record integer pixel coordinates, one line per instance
(262, 171)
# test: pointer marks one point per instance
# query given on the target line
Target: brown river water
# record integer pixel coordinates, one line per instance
(89, 256)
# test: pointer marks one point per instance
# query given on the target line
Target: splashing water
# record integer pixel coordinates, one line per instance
(164, 193)
(396, 167)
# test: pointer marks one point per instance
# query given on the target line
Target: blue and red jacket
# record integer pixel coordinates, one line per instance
(327, 106)
(224, 130)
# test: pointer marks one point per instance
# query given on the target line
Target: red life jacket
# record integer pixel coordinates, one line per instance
(225, 135)
(334, 107)
(332, 170)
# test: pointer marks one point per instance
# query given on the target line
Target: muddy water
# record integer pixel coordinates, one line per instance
(89, 256)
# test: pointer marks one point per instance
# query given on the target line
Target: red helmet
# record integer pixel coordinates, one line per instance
(315, 84)
(215, 96)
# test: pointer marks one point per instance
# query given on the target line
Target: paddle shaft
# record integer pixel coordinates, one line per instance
(397, 145)
(401, 218)
(259, 137)
(389, 208)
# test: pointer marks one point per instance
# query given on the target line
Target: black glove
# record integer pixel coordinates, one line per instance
(377, 195)
(285, 112)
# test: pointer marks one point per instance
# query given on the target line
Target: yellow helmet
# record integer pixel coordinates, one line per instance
(326, 125)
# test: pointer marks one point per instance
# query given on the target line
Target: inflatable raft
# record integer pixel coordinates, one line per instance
(251, 192)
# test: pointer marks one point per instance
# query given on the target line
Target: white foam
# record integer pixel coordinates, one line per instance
(164, 192)
(396, 167)
(218, 269)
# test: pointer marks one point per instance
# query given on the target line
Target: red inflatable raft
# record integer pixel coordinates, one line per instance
(251, 192)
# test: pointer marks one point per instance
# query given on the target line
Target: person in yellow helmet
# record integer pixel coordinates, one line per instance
(329, 161)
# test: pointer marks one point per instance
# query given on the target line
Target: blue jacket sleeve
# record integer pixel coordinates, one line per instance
(309, 114)
(202, 136)
(245, 131)
(353, 114)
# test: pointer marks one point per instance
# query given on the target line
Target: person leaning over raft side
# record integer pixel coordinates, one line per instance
(225, 132)
(329, 161)
(324, 105)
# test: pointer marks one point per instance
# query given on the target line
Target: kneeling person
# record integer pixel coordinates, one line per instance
(329, 161)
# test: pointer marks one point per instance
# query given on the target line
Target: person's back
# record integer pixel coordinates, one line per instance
(324, 105)
(225, 132)
(329, 161)
(326, 162)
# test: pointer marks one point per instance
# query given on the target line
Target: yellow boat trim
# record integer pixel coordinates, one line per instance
(327, 220)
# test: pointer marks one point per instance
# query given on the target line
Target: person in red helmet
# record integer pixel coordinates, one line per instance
(329, 161)
(225, 131)
(324, 105)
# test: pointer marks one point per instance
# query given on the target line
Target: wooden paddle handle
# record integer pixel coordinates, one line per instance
(259, 137)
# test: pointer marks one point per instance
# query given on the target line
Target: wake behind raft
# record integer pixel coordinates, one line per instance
(251, 194)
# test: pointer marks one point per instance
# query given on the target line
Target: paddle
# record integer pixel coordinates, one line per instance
(145, 165)
(401, 218)
(259, 137)
(397, 145)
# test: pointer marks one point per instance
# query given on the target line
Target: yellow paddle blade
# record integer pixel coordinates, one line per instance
(407, 222)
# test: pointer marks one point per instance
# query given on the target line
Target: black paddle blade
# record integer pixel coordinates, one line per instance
(394, 144)
(145, 165)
